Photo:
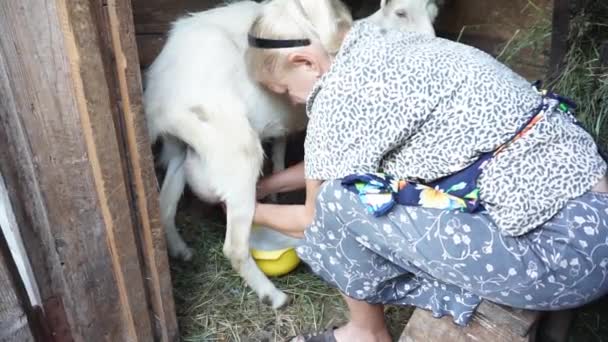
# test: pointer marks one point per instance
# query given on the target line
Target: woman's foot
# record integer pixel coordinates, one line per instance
(350, 332)
(347, 333)
(366, 325)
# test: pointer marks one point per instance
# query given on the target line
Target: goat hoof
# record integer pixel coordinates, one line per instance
(184, 254)
(276, 301)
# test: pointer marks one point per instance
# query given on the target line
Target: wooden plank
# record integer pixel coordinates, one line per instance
(423, 327)
(143, 188)
(604, 54)
(14, 322)
(10, 229)
(62, 165)
(25, 281)
(21, 181)
(519, 321)
(93, 99)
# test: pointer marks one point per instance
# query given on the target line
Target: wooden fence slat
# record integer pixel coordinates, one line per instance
(142, 179)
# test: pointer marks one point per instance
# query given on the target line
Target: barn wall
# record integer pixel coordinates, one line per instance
(488, 25)
(153, 19)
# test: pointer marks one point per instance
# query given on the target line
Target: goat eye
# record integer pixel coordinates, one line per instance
(401, 13)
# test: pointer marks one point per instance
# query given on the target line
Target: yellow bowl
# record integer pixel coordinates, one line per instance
(277, 262)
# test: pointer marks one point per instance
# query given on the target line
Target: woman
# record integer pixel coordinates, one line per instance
(501, 195)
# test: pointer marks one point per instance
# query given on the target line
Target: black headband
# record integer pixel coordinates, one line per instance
(264, 43)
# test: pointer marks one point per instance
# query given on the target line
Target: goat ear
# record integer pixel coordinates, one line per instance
(383, 3)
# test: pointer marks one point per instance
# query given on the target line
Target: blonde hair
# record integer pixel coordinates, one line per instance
(324, 22)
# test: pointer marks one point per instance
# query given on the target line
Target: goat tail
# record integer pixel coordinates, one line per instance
(173, 156)
(171, 148)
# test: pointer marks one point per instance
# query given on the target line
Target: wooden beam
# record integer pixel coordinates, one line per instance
(62, 160)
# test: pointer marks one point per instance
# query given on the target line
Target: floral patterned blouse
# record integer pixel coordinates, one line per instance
(420, 108)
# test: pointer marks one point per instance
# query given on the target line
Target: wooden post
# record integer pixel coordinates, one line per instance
(604, 55)
(78, 169)
(559, 36)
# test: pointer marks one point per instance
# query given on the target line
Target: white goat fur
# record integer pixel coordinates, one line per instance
(407, 15)
(212, 117)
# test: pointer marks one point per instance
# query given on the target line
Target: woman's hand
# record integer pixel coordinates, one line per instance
(290, 220)
(289, 179)
(265, 187)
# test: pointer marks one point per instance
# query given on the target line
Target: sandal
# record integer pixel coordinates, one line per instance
(319, 336)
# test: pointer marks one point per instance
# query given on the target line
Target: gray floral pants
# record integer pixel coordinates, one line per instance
(447, 261)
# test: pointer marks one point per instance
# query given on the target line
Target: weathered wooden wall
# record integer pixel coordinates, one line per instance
(490, 25)
(153, 19)
(78, 167)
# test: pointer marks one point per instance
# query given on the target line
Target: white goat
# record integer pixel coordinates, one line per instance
(212, 117)
(407, 15)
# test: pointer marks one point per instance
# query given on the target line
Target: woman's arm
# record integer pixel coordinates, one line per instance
(289, 179)
(289, 219)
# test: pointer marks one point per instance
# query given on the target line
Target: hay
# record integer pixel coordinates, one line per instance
(581, 77)
(213, 304)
